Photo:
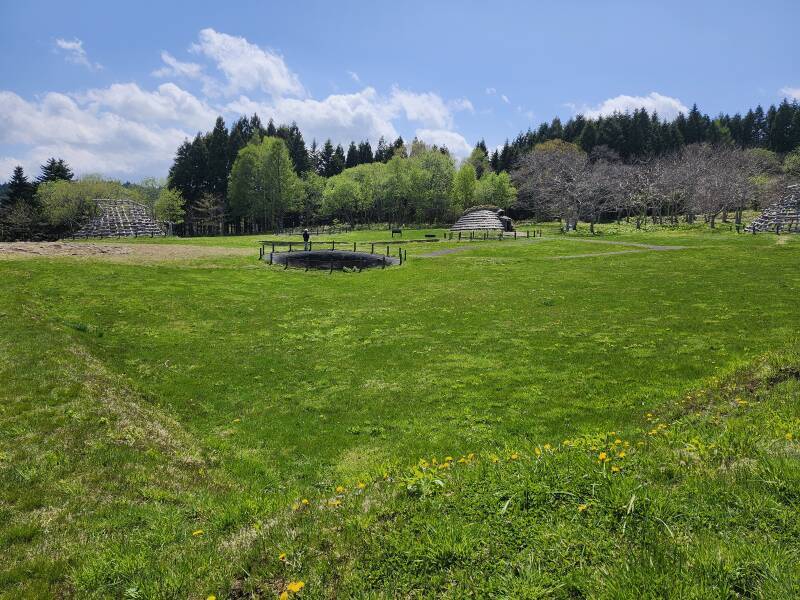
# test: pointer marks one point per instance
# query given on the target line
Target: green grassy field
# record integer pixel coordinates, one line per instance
(159, 419)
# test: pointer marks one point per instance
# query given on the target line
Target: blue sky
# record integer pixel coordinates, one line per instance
(114, 87)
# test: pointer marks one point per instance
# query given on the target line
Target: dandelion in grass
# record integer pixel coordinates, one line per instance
(304, 501)
(334, 503)
(494, 458)
(212, 597)
(621, 454)
(284, 596)
(448, 459)
(617, 442)
(361, 485)
(514, 456)
(582, 507)
(282, 557)
(339, 489)
(237, 420)
(548, 447)
(615, 469)
(602, 456)
(789, 436)
(295, 586)
(537, 451)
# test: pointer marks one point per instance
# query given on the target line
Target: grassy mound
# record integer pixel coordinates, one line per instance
(700, 501)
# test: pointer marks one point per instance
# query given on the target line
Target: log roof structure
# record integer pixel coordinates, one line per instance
(780, 216)
(481, 219)
(121, 218)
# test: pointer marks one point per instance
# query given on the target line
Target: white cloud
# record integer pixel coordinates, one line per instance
(75, 53)
(246, 66)
(461, 104)
(666, 106)
(125, 130)
(168, 104)
(789, 92)
(490, 91)
(354, 76)
(427, 108)
(454, 141)
(176, 68)
(505, 99)
(340, 117)
(89, 139)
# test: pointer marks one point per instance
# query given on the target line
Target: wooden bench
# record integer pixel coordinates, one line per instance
(397, 231)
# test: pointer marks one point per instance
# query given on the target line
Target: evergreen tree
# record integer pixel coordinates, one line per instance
(382, 153)
(325, 163)
(398, 148)
(54, 170)
(588, 137)
(256, 128)
(239, 135)
(20, 190)
(780, 130)
(337, 163)
(296, 146)
(271, 131)
(352, 159)
(218, 164)
(365, 153)
(494, 162)
(313, 158)
(759, 128)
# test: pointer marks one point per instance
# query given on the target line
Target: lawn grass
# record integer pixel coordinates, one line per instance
(156, 418)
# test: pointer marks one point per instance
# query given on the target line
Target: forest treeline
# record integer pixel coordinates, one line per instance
(253, 177)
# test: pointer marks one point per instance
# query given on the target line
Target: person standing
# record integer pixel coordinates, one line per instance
(306, 236)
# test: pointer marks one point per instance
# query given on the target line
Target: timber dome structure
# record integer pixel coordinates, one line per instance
(483, 218)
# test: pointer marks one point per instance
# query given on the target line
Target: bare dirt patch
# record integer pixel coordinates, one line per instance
(118, 252)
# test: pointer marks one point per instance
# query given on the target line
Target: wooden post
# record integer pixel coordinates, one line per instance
(387, 249)
(372, 248)
(354, 246)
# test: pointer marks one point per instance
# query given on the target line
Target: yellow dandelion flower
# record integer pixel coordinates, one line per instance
(237, 420)
(212, 597)
(514, 456)
(617, 442)
(470, 456)
(582, 507)
(339, 489)
(304, 501)
(448, 459)
(462, 460)
(789, 436)
(361, 485)
(537, 451)
(602, 456)
(296, 506)
(198, 532)
(282, 557)
(548, 447)
(334, 503)
(494, 458)
(385, 475)
(295, 586)
(615, 469)
(284, 596)
(621, 454)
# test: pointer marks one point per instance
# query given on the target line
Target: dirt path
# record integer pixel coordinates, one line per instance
(444, 252)
(633, 244)
(118, 252)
